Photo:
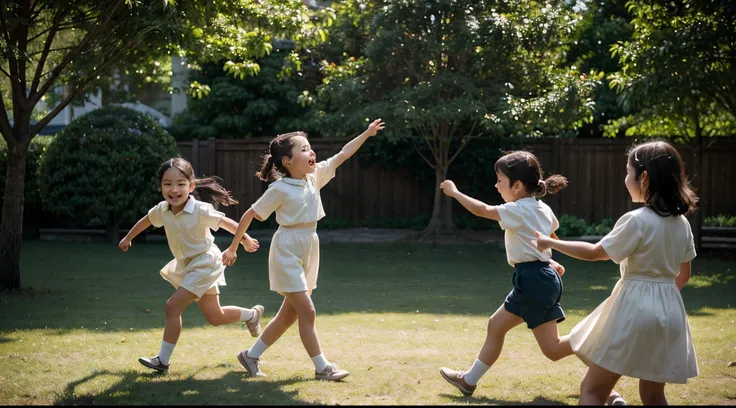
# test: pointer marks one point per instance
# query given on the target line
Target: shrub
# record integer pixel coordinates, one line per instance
(33, 213)
(721, 220)
(571, 226)
(102, 167)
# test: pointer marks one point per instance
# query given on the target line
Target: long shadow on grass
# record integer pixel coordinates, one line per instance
(98, 287)
(495, 401)
(136, 388)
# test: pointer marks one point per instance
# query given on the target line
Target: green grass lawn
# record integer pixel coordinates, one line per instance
(391, 314)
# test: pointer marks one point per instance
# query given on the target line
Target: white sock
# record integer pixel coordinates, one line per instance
(164, 355)
(476, 371)
(320, 362)
(258, 348)
(246, 314)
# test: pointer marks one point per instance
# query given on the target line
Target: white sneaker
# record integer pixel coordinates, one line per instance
(254, 324)
(331, 373)
(250, 364)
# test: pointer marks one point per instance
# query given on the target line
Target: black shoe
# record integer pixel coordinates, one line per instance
(154, 363)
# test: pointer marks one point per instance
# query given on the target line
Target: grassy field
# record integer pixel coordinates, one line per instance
(391, 314)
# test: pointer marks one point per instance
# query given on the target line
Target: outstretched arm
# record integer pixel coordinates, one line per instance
(139, 227)
(352, 146)
(477, 207)
(250, 244)
(576, 249)
(229, 256)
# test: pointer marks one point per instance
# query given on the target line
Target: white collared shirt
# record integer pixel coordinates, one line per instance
(188, 232)
(296, 201)
(520, 220)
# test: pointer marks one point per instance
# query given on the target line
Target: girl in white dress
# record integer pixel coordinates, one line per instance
(196, 270)
(641, 330)
(293, 259)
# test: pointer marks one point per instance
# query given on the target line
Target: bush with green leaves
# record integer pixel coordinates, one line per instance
(102, 168)
(33, 208)
(571, 226)
(721, 220)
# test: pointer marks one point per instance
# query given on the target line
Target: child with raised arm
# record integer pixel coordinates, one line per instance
(641, 330)
(537, 287)
(293, 261)
(196, 270)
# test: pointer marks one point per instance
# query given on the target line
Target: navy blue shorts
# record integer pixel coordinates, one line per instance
(536, 294)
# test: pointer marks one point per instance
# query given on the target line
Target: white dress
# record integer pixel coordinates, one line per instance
(641, 330)
(197, 264)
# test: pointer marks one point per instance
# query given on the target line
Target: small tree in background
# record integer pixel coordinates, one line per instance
(103, 166)
(444, 72)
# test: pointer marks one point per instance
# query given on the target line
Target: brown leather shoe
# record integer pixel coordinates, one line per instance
(457, 378)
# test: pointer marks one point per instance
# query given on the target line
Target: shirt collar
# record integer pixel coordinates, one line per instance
(293, 181)
(188, 207)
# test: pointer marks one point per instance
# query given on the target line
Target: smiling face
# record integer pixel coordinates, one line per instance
(176, 188)
(303, 159)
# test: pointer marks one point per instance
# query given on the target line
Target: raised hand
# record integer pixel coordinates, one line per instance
(448, 187)
(374, 127)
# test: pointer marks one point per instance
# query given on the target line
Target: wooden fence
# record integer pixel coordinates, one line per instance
(595, 169)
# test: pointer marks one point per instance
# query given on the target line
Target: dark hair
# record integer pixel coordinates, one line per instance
(668, 190)
(523, 166)
(206, 189)
(272, 167)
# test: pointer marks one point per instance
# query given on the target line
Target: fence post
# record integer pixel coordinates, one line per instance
(211, 156)
(195, 155)
(698, 218)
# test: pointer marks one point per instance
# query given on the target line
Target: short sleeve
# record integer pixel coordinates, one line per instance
(325, 171)
(689, 253)
(555, 223)
(624, 238)
(269, 201)
(155, 214)
(208, 216)
(511, 217)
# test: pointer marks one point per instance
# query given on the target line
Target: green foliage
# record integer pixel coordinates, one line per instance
(238, 108)
(103, 167)
(677, 71)
(721, 220)
(33, 207)
(571, 226)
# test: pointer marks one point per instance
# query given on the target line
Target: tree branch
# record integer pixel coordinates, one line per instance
(44, 54)
(113, 58)
(5, 128)
(414, 144)
(12, 63)
(464, 143)
(108, 15)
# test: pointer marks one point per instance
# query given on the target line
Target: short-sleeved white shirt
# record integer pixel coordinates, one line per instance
(188, 232)
(648, 245)
(296, 201)
(520, 220)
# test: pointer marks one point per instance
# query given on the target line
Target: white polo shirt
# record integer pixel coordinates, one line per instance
(188, 232)
(296, 201)
(520, 220)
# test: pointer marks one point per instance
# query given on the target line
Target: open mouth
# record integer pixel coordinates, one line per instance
(312, 162)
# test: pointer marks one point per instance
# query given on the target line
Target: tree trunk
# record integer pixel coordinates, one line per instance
(11, 224)
(441, 208)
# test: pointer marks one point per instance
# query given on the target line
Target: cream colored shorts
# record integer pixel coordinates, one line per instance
(293, 260)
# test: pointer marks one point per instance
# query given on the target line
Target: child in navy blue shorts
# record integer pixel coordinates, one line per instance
(537, 287)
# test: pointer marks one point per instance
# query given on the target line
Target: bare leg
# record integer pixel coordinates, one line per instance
(174, 308)
(215, 314)
(597, 385)
(307, 315)
(285, 317)
(498, 325)
(652, 393)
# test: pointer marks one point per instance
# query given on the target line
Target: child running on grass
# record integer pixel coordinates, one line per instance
(196, 270)
(641, 330)
(293, 261)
